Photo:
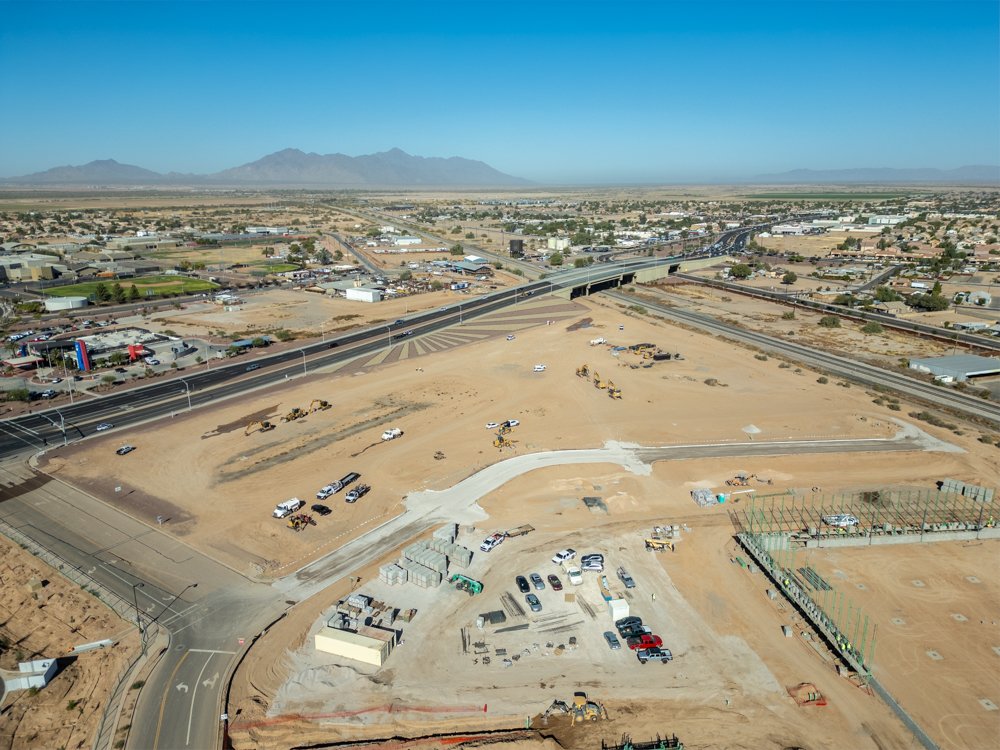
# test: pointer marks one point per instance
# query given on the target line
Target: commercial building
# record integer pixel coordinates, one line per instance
(363, 294)
(558, 243)
(960, 367)
(406, 240)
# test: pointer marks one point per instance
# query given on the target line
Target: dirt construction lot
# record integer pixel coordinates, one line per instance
(216, 488)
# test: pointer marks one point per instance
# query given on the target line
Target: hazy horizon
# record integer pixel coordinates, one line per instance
(637, 93)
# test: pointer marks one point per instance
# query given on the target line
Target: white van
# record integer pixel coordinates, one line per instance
(288, 507)
(539, 368)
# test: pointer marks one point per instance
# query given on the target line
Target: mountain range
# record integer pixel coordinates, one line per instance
(977, 174)
(293, 168)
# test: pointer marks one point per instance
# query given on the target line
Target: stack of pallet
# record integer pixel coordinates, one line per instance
(457, 555)
(448, 532)
(392, 574)
(420, 575)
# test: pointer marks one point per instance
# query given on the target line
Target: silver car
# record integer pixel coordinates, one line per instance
(532, 600)
(613, 643)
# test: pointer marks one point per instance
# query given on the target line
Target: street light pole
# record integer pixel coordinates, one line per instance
(303, 353)
(138, 619)
(187, 390)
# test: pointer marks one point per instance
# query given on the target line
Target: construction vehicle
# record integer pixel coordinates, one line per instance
(659, 545)
(614, 391)
(740, 480)
(295, 413)
(466, 584)
(585, 709)
(583, 371)
(520, 530)
(258, 426)
(598, 383)
(502, 442)
(299, 521)
(503, 429)
(319, 404)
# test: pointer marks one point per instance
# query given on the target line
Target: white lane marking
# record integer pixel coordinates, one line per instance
(193, 695)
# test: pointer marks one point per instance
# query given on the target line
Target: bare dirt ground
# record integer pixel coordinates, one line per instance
(885, 348)
(46, 624)
(938, 609)
(217, 487)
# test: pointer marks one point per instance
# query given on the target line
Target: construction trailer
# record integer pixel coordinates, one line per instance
(368, 647)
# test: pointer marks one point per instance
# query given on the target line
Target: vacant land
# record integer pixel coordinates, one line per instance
(46, 623)
(148, 286)
(727, 686)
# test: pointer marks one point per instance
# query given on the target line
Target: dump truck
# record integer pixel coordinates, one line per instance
(392, 434)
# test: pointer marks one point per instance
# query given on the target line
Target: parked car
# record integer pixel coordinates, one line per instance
(103, 426)
(492, 541)
(633, 631)
(626, 578)
(554, 582)
(510, 337)
(662, 655)
(646, 640)
(357, 493)
(125, 449)
(537, 582)
(536, 606)
(321, 510)
(575, 575)
(563, 555)
(592, 562)
(539, 368)
(492, 425)
(613, 643)
(627, 621)
(48, 393)
(522, 584)
(511, 423)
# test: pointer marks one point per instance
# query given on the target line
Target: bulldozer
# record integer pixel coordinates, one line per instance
(258, 426)
(319, 404)
(583, 371)
(466, 584)
(295, 413)
(659, 545)
(585, 709)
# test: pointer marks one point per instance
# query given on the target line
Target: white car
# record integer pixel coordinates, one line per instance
(539, 368)
(510, 337)
(563, 555)
(841, 520)
(512, 422)
(104, 426)
(492, 425)
(592, 562)
(493, 540)
(575, 575)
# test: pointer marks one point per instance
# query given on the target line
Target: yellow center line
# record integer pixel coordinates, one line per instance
(163, 701)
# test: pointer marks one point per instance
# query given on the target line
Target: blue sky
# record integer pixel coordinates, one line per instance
(563, 92)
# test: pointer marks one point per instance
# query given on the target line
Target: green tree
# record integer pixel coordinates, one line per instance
(829, 321)
(405, 276)
(133, 293)
(740, 271)
(118, 293)
(583, 262)
(885, 294)
(556, 259)
(457, 249)
(789, 278)
(871, 328)
(102, 293)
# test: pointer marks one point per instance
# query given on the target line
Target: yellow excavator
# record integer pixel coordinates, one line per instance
(295, 413)
(583, 371)
(659, 545)
(614, 391)
(258, 426)
(598, 383)
(319, 404)
(501, 442)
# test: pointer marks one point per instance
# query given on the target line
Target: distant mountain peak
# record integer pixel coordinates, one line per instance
(292, 167)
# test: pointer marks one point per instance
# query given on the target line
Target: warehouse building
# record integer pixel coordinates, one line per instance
(960, 367)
